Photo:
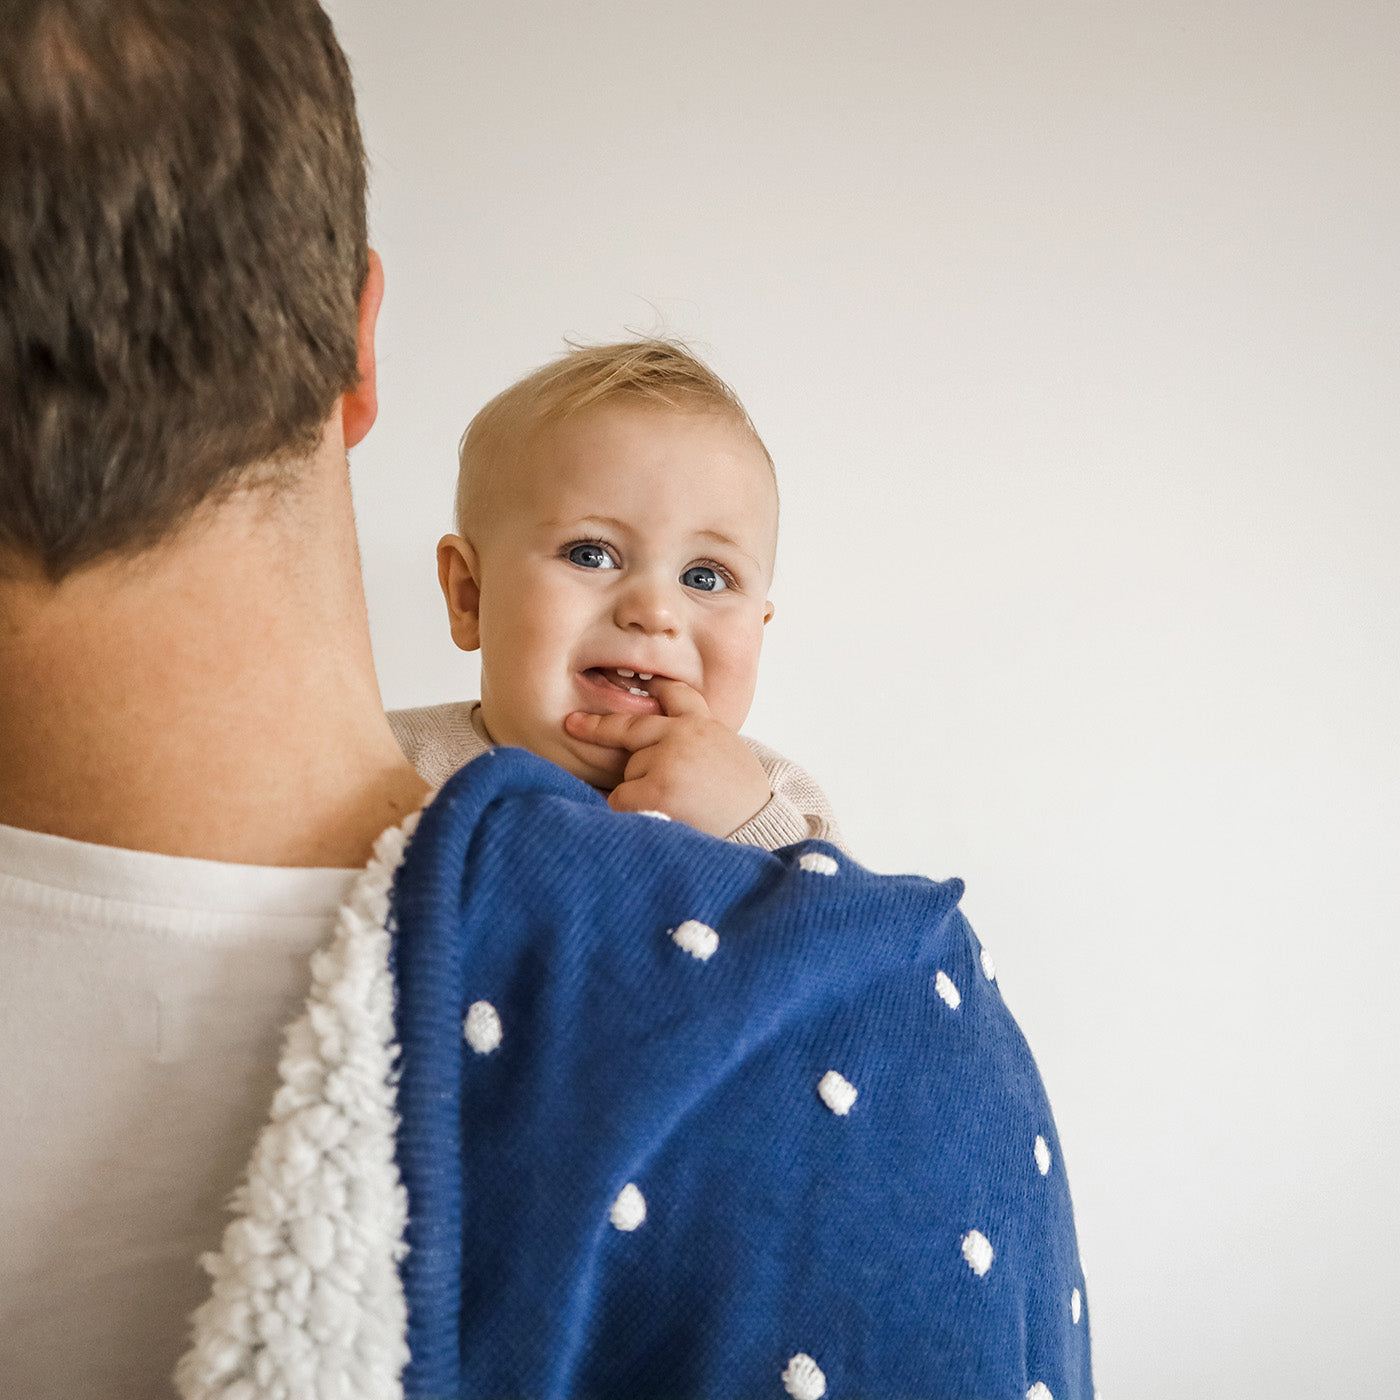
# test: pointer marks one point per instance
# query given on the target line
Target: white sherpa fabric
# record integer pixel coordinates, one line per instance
(307, 1300)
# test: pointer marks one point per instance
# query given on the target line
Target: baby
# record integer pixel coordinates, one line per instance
(617, 518)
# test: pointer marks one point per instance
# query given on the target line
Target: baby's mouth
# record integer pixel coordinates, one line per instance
(630, 682)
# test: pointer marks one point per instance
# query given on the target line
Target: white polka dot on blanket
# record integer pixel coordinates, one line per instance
(818, 863)
(482, 1028)
(837, 1092)
(943, 985)
(803, 1379)
(977, 1250)
(697, 939)
(989, 968)
(1042, 1155)
(1076, 1306)
(1039, 1391)
(630, 1208)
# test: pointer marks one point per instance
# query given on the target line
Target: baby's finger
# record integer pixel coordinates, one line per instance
(631, 796)
(678, 698)
(631, 732)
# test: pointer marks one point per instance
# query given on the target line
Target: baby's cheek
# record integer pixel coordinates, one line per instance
(731, 684)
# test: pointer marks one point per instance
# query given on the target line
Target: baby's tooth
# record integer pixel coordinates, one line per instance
(628, 674)
(644, 675)
(635, 691)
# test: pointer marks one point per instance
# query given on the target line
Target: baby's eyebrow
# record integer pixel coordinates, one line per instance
(726, 540)
(578, 522)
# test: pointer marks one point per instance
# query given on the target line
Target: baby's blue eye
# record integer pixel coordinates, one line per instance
(592, 556)
(703, 578)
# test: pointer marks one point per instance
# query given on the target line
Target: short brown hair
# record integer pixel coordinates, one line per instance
(654, 370)
(182, 252)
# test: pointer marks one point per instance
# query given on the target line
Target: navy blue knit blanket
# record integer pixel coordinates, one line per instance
(687, 1120)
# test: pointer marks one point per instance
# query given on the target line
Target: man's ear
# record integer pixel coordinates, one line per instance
(768, 612)
(459, 576)
(359, 407)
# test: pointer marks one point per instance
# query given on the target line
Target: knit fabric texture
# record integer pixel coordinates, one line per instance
(438, 739)
(683, 1119)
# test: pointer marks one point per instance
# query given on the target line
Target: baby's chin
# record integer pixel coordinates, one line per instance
(599, 767)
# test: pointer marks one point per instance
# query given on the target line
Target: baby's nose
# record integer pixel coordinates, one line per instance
(646, 605)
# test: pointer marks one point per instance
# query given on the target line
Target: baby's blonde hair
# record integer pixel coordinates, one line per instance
(655, 370)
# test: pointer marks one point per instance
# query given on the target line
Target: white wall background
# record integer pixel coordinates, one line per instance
(1075, 332)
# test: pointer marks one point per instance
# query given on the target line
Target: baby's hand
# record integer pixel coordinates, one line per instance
(683, 762)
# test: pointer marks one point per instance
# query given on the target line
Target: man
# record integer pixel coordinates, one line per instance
(193, 754)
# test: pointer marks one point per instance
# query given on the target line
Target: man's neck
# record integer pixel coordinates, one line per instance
(214, 697)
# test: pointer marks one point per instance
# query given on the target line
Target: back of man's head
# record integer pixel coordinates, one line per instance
(182, 250)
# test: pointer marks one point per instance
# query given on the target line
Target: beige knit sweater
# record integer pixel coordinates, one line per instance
(439, 739)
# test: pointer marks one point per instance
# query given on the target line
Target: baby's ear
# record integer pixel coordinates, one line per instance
(768, 612)
(458, 574)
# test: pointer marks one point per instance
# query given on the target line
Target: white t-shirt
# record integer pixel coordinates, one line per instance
(142, 1003)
